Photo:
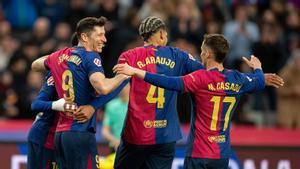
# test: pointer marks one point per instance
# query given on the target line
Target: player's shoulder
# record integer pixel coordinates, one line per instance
(133, 51)
(59, 52)
(235, 74)
(170, 49)
(83, 53)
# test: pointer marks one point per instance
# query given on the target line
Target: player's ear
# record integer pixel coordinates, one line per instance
(161, 34)
(84, 37)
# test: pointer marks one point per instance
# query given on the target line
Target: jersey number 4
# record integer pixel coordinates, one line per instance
(67, 85)
(217, 100)
(160, 99)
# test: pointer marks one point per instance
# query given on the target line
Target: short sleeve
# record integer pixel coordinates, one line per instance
(50, 59)
(93, 63)
(192, 81)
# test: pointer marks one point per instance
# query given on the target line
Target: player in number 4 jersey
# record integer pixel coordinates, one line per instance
(215, 92)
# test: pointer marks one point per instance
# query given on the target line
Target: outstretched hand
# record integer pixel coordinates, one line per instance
(124, 69)
(271, 79)
(253, 62)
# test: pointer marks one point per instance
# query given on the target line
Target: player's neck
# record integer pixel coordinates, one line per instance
(151, 43)
(86, 46)
(214, 65)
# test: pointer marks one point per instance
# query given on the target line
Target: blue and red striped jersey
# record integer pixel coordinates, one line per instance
(215, 96)
(71, 68)
(152, 115)
(43, 129)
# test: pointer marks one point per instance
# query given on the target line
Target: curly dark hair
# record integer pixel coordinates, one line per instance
(150, 25)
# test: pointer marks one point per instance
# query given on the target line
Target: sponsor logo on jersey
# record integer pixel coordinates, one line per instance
(155, 123)
(97, 62)
(217, 139)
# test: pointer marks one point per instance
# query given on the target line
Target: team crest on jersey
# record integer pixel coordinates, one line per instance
(50, 81)
(191, 57)
(97, 62)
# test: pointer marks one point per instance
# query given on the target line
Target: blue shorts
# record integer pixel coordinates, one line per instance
(40, 157)
(130, 156)
(204, 163)
(76, 150)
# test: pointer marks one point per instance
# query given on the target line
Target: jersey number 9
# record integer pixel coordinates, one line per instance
(67, 85)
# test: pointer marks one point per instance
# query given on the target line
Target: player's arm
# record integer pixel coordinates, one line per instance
(106, 129)
(257, 82)
(44, 100)
(85, 112)
(104, 85)
(271, 79)
(101, 100)
(39, 64)
(167, 82)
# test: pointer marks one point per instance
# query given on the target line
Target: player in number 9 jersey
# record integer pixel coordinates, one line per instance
(79, 77)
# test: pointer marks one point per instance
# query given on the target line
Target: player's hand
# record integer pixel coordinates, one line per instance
(253, 62)
(124, 69)
(84, 113)
(116, 144)
(274, 80)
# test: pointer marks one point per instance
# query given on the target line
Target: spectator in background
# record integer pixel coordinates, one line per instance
(127, 28)
(54, 10)
(115, 113)
(29, 91)
(212, 27)
(8, 97)
(186, 23)
(61, 38)
(241, 34)
(21, 14)
(157, 8)
(289, 94)
(8, 46)
(75, 11)
(291, 33)
(269, 51)
(41, 34)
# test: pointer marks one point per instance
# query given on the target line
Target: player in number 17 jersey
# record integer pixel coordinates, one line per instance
(215, 94)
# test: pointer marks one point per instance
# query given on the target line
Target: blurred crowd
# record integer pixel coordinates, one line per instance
(269, 29)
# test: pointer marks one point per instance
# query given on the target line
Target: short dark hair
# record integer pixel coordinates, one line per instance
(86, 25)
(218, 44)
(150, 25)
